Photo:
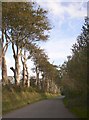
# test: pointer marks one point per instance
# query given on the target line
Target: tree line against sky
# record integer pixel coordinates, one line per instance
(24, 24)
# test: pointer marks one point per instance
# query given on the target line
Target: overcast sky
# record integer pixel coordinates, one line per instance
(66, 19)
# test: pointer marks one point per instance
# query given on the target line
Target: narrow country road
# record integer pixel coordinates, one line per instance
(53, 108)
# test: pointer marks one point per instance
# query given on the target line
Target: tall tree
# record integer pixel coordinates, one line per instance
(31, 28)
(38, 56)
(4, 46)
(75, 69)
(43, 66)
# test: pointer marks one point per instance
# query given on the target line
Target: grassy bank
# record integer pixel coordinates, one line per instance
(76, 106)
(17, 97)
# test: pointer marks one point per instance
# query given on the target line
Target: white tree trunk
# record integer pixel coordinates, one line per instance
(27, 73)
(4, 71)
(17, 69)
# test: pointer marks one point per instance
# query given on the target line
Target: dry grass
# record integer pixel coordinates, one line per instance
(13, 98)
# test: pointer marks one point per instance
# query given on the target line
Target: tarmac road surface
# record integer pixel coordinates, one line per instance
(53, 108)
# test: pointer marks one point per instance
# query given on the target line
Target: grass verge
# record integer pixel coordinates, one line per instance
(75, 106)
(15, 97)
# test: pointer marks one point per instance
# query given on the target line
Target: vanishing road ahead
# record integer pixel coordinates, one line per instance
(53, 108)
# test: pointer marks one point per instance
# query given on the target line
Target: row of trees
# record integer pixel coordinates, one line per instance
(23, 24)
(74, 72)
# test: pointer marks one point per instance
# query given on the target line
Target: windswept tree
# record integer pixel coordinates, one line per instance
(38, 56)
(25, 22)
(43, 67)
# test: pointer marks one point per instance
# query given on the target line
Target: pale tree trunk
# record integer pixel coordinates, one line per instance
(23, 59)
(4, 71)
(52, 87)
(17, 69)
(16, 54)
(47, 81)
(25, 70)
(37, 78)
(55, 89)
(4, 66)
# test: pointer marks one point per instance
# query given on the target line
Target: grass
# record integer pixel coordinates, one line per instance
(76, 107)
(80, 111)
(16, 97)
